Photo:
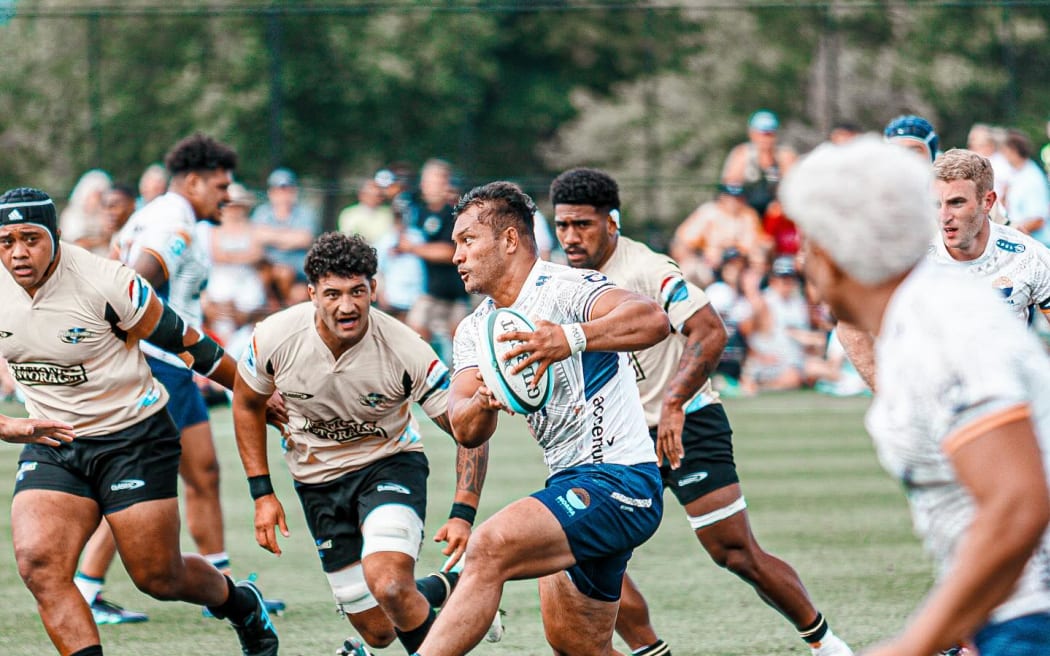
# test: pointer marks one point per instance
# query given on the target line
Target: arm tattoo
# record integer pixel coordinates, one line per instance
(471, 467)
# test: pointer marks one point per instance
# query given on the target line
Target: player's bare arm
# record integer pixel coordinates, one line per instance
(471, 468)
(472, 410)
(151, 267)
(161, 326)
(1002, 469)
(36, 431)
(249, 421)
(859, 345)
(705, 340)
(620, 321)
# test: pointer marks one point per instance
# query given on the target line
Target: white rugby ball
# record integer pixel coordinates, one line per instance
(515, 391)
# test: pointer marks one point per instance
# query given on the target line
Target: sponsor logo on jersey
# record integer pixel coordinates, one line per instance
(127, 484)
(344, 430)
(595, 277)
(177, 245)
(375, 399)
(631, 501)
(24, 469)
(578, 498)
(542, 280)
(4, 334)
(597, 430)
(393, 487)
(1010, 246)
(76, 335)
(302, 396)
(692, 478)
(45, 373)
(150, 397)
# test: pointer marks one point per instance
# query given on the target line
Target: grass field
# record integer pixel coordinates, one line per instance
(816, 497)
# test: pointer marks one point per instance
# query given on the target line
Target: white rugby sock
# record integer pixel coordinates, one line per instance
(89, 587)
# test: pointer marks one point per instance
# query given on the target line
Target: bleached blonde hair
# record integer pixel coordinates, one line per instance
(868, 204)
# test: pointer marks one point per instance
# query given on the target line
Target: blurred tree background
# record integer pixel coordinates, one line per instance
(654, 92)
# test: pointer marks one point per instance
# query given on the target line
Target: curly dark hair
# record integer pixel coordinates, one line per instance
(340, 255)
(199, 152)
(582, 186)
(502, 205)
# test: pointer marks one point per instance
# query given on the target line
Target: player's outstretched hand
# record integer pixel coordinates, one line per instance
(456, 532)
(277, 413)
(35, 431)
(269, 514)
(486, 398)
(669, 436)
(545, 345)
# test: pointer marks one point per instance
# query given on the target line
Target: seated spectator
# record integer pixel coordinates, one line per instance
(235, 296)
(287, 227)
(781, 332)
(717, 225)
(369, 217)
(727, 298)
(82, 220)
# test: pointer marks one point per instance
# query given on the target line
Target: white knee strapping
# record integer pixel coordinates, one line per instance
(392, 527)
(716, 516)
(350, 590)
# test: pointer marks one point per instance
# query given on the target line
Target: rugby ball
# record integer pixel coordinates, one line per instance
(515, 391)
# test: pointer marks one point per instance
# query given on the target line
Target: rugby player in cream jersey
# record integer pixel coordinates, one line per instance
(603, 496)
(686, 419)
(70, 331)
(961, 414)
(348, 374)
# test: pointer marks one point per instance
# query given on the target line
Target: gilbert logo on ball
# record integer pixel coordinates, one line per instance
(523, 392)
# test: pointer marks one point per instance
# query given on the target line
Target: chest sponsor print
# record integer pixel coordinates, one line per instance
(344, 430)
(45, 373)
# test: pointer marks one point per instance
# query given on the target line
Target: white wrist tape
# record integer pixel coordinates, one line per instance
(574, 335)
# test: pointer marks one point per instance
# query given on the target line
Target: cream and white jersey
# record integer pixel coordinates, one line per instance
(349, 412)
(1013, 263)
(942, 382)
(69, 349)
(635, 267)
(168, 229)
(594, 414)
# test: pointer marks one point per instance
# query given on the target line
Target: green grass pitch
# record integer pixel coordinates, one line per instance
(816, 498)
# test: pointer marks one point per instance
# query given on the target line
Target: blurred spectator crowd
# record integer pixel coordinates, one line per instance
(738, 246)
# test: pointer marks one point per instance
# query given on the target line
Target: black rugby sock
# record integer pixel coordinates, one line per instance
(238, 605)
(93, 650)
(816, 631)
(414, 638)
(437, 587)
(658, 648)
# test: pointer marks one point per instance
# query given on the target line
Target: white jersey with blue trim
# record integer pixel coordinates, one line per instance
(168, 229)
(1014, 264)
(595, 414)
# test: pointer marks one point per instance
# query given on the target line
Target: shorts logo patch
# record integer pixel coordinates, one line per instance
(76, 335)
(127, 484)
(4, 334)
(392, 487)
(569, 510)
(631, 501)
(24, 469)
(323, 544)
(45, 373)
(1010, 246)
(692, 478)
(578, 498)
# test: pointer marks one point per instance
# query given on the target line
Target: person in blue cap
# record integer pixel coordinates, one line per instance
(915, 133)
(758, 164)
